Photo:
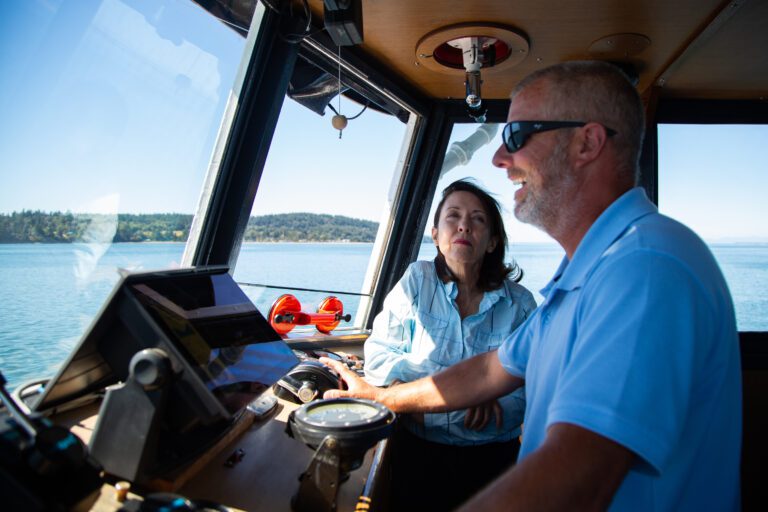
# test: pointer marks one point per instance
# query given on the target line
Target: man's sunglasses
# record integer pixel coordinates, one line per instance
(516, 133)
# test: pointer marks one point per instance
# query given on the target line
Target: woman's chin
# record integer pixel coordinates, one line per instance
(463, 258)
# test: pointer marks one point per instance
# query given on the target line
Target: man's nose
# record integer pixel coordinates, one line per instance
(502, 158)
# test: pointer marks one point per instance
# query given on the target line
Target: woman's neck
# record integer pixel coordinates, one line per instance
(469, 294)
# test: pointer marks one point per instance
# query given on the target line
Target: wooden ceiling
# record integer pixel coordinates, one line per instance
(698, 48)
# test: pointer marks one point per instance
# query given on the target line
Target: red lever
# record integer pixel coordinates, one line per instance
(285, 314)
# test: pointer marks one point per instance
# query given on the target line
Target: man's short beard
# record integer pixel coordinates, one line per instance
(542, 208)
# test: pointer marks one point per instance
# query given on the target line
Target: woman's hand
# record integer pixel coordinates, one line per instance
(357, 387)
(476, 418)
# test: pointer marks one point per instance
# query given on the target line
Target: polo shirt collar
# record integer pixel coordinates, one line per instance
(608, 227)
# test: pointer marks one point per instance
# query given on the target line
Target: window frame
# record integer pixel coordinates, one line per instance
(246, 134)
(753, 344)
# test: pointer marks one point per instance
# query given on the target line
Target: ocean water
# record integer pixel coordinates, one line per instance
(50, 293)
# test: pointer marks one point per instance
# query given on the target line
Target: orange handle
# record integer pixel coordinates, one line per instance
(286, 313)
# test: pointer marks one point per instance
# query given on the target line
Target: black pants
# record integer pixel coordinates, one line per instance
(429, 476)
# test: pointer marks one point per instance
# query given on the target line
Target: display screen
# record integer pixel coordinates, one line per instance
(202, 316)
(225, 339)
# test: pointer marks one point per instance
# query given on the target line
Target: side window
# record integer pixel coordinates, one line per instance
(469, 155)
(110, 111)
(714, 178)
(322, 204)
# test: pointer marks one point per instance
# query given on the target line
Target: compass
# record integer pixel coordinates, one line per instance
(340, 431)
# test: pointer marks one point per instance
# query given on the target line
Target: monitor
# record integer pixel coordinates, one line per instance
(221, 348)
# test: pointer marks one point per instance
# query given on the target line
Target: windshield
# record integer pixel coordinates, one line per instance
(110, 112)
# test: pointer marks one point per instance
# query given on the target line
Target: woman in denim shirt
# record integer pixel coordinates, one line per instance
(438, 314)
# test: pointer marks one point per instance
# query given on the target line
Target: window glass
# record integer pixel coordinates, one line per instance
(110, 111)
(714, 178)
(320, 205)
(533, 250)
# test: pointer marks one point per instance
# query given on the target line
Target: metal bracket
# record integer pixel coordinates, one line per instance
(319, 484)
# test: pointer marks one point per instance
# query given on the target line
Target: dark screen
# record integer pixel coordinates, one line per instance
(208, 321)
(221, 334)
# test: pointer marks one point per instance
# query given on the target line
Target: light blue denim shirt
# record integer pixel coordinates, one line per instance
(419, 332)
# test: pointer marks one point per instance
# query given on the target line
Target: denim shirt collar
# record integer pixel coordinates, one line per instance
(609, 226)
(489, 298)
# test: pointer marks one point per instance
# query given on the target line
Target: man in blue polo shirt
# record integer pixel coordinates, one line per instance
(631, 364)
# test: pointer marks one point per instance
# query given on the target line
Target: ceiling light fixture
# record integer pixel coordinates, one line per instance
(472, 47)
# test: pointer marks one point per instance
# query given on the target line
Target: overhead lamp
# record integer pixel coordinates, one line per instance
(472, 47)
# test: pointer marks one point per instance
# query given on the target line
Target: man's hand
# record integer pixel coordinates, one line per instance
(476, 418)
(356, 386)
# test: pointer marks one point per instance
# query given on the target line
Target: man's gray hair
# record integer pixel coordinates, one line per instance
(595, 91)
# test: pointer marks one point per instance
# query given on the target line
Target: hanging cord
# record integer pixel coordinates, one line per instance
(338, 48)
(353, 117)
(340, 121)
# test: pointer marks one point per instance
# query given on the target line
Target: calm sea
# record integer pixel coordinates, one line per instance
(49, 293)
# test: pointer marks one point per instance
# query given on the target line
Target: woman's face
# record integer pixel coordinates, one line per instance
(463, 233)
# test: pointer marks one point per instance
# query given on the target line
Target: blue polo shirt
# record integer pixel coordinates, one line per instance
(636, 340)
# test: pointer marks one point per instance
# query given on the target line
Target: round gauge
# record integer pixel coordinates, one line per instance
(354, 422)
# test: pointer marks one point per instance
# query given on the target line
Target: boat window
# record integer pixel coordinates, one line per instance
(322, 209)
(110, 112)
(713, 179)
(469, 155)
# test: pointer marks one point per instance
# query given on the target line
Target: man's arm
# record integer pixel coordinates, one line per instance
(574, 469)
(466, 384)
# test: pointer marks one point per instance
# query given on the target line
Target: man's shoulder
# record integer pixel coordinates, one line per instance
(661, 252)
(661, 235)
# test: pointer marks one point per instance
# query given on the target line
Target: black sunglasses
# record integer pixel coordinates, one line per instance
(516, 133)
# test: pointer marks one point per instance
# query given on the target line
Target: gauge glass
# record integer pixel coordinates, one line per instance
(342, 413)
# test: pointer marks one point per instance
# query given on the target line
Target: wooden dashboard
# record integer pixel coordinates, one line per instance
(255, 468)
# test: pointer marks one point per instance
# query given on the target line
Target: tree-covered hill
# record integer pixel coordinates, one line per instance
(296, 227)
(64, 227)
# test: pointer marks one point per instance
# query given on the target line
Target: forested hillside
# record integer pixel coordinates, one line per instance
(310, 227)
(65, 227)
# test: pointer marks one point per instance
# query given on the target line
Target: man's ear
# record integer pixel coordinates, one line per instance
(590, 143)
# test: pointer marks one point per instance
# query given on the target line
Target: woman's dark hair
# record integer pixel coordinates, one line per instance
(493, 270)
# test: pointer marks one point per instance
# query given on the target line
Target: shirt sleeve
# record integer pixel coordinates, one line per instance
(515, 349)
(388, 348)
(631, 370)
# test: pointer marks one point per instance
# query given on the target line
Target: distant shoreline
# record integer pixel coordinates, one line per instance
(65, 227)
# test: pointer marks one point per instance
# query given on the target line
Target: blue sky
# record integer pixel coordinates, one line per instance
(115, 105)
